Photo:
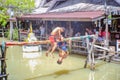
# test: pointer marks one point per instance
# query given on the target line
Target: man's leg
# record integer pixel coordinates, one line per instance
(53, 49)
(50, 48)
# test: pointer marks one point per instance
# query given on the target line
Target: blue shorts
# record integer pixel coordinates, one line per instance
(62, 46)
(59, 44)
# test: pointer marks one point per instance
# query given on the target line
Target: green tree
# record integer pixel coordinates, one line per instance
(13, 8)
(3, 16)
(19, 7)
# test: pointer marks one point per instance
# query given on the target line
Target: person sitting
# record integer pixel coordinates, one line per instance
(77, 34)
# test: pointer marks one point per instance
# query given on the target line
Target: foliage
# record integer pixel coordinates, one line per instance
(3, 16)
(15, 34)
(19, 7)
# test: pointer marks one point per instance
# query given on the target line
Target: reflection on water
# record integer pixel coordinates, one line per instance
(32, 59)
(91, 75)
(32, 54)
(25, 66)
(32, 64)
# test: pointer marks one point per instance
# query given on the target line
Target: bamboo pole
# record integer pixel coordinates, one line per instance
(27, 43)
(44, 41)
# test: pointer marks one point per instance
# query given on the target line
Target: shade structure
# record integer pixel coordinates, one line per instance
(69, 16)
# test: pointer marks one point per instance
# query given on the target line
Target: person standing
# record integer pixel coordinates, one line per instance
(42, 31)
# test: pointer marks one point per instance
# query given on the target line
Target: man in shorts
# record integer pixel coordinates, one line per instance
(54, 36)
(63, 51)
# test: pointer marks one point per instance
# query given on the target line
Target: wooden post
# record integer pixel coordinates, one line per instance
(70, 41)
(18, 30)
(3, 62)
(90, 57)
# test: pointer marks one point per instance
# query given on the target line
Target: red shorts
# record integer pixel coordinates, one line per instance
(52, 39)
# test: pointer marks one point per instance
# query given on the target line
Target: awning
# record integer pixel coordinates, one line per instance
(71, 16)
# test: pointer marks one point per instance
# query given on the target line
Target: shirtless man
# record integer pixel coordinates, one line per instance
(54, 36)
(63, 51)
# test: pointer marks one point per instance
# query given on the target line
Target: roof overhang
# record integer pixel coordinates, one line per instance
(71, 16)
(12, 19)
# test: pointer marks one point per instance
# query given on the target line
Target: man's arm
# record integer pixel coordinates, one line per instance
(59, 33)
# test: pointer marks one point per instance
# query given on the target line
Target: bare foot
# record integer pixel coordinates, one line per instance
(52, 55)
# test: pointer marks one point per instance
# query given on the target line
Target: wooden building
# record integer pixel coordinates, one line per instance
(73, 13)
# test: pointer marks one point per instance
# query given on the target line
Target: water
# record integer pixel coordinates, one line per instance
(23, 66)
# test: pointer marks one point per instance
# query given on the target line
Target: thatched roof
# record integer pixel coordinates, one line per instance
(44, 6)
(118, 1)
(85, 5)
(65, 6)
(75, 5)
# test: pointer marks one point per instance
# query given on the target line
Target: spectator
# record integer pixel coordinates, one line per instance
(36, 31)
(77, 34)
(100, 37)
(95, 29)
(89, 31)
(104, 34)
(42, 31)
(71, 32)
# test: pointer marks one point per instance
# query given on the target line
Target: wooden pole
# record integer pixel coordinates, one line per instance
(45, 41)
(3, 62)
(88, 57)
(18, 30)
(27, 43)
(70, 41)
